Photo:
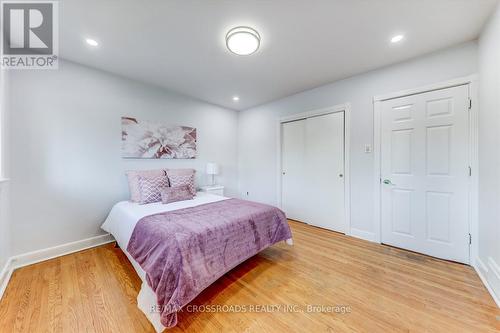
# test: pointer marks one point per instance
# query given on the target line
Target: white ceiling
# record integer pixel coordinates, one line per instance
(179, 44)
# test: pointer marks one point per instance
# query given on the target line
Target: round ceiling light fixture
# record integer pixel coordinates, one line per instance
(243, 40)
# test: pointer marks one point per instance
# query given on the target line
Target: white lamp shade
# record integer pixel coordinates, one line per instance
(212, 169)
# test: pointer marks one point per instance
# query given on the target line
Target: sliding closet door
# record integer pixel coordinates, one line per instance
(324, 171)
(292, 147)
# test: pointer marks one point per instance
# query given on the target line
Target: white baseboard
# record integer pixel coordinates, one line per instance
(34, 257)
(362, 234)
(495, 268)
(5, 275)
(486, 272)
(479, 264)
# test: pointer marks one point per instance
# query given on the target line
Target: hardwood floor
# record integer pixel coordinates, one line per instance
(384, 289)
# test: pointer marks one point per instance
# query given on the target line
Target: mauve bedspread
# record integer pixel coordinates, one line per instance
(186, 250)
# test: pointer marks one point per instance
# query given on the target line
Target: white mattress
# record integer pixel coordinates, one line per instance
(121, 222)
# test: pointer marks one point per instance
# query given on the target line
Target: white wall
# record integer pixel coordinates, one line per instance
(489, 153)
(4, 185)
(257, 161)
(66, 169)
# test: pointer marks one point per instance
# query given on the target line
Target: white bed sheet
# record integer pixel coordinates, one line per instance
(121, 222)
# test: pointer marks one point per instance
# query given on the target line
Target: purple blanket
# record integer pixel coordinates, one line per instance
(186, 250)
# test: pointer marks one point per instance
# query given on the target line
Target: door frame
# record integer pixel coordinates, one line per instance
(346, 108)
(470, 81)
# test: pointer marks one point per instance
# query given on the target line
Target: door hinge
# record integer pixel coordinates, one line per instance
(470, 239)
(470, 171)
(470, 103)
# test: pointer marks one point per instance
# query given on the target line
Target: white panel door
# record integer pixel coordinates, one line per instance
(425, 173)
(324, 171)
(293, 161)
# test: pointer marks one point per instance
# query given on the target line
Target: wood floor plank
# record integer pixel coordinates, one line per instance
(385, 290)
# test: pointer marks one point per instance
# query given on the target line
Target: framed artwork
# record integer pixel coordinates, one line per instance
(147, 139)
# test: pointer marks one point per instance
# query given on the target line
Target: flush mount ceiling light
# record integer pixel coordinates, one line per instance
(242, 40)
(397, 38)
(236, 98)
(91, 42)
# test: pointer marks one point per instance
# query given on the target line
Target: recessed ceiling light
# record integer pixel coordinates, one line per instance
(91, 42)
(236, 98)
(397, 38)
(243, 40)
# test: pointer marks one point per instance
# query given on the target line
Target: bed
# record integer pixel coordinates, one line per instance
(179, 249)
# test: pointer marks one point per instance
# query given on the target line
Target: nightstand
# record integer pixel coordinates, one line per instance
(214, 189)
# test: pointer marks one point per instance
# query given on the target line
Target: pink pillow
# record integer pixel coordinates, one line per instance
(180, 172)
(133, 181)
(177, 193)
(151, 187)
(180, 180)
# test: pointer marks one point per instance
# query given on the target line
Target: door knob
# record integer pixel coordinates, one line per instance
(388, 182)
(341, 175)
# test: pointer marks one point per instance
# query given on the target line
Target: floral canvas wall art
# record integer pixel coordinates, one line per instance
(147, 139)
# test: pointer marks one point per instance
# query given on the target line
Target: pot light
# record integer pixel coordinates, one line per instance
(242, 40)
(397, 38)
(236, 98)
(91, 42)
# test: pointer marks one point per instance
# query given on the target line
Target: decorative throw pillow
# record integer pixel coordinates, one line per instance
(180, 172)
(177, 193)
(179, 180)
(151, 187)
(133, 181)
